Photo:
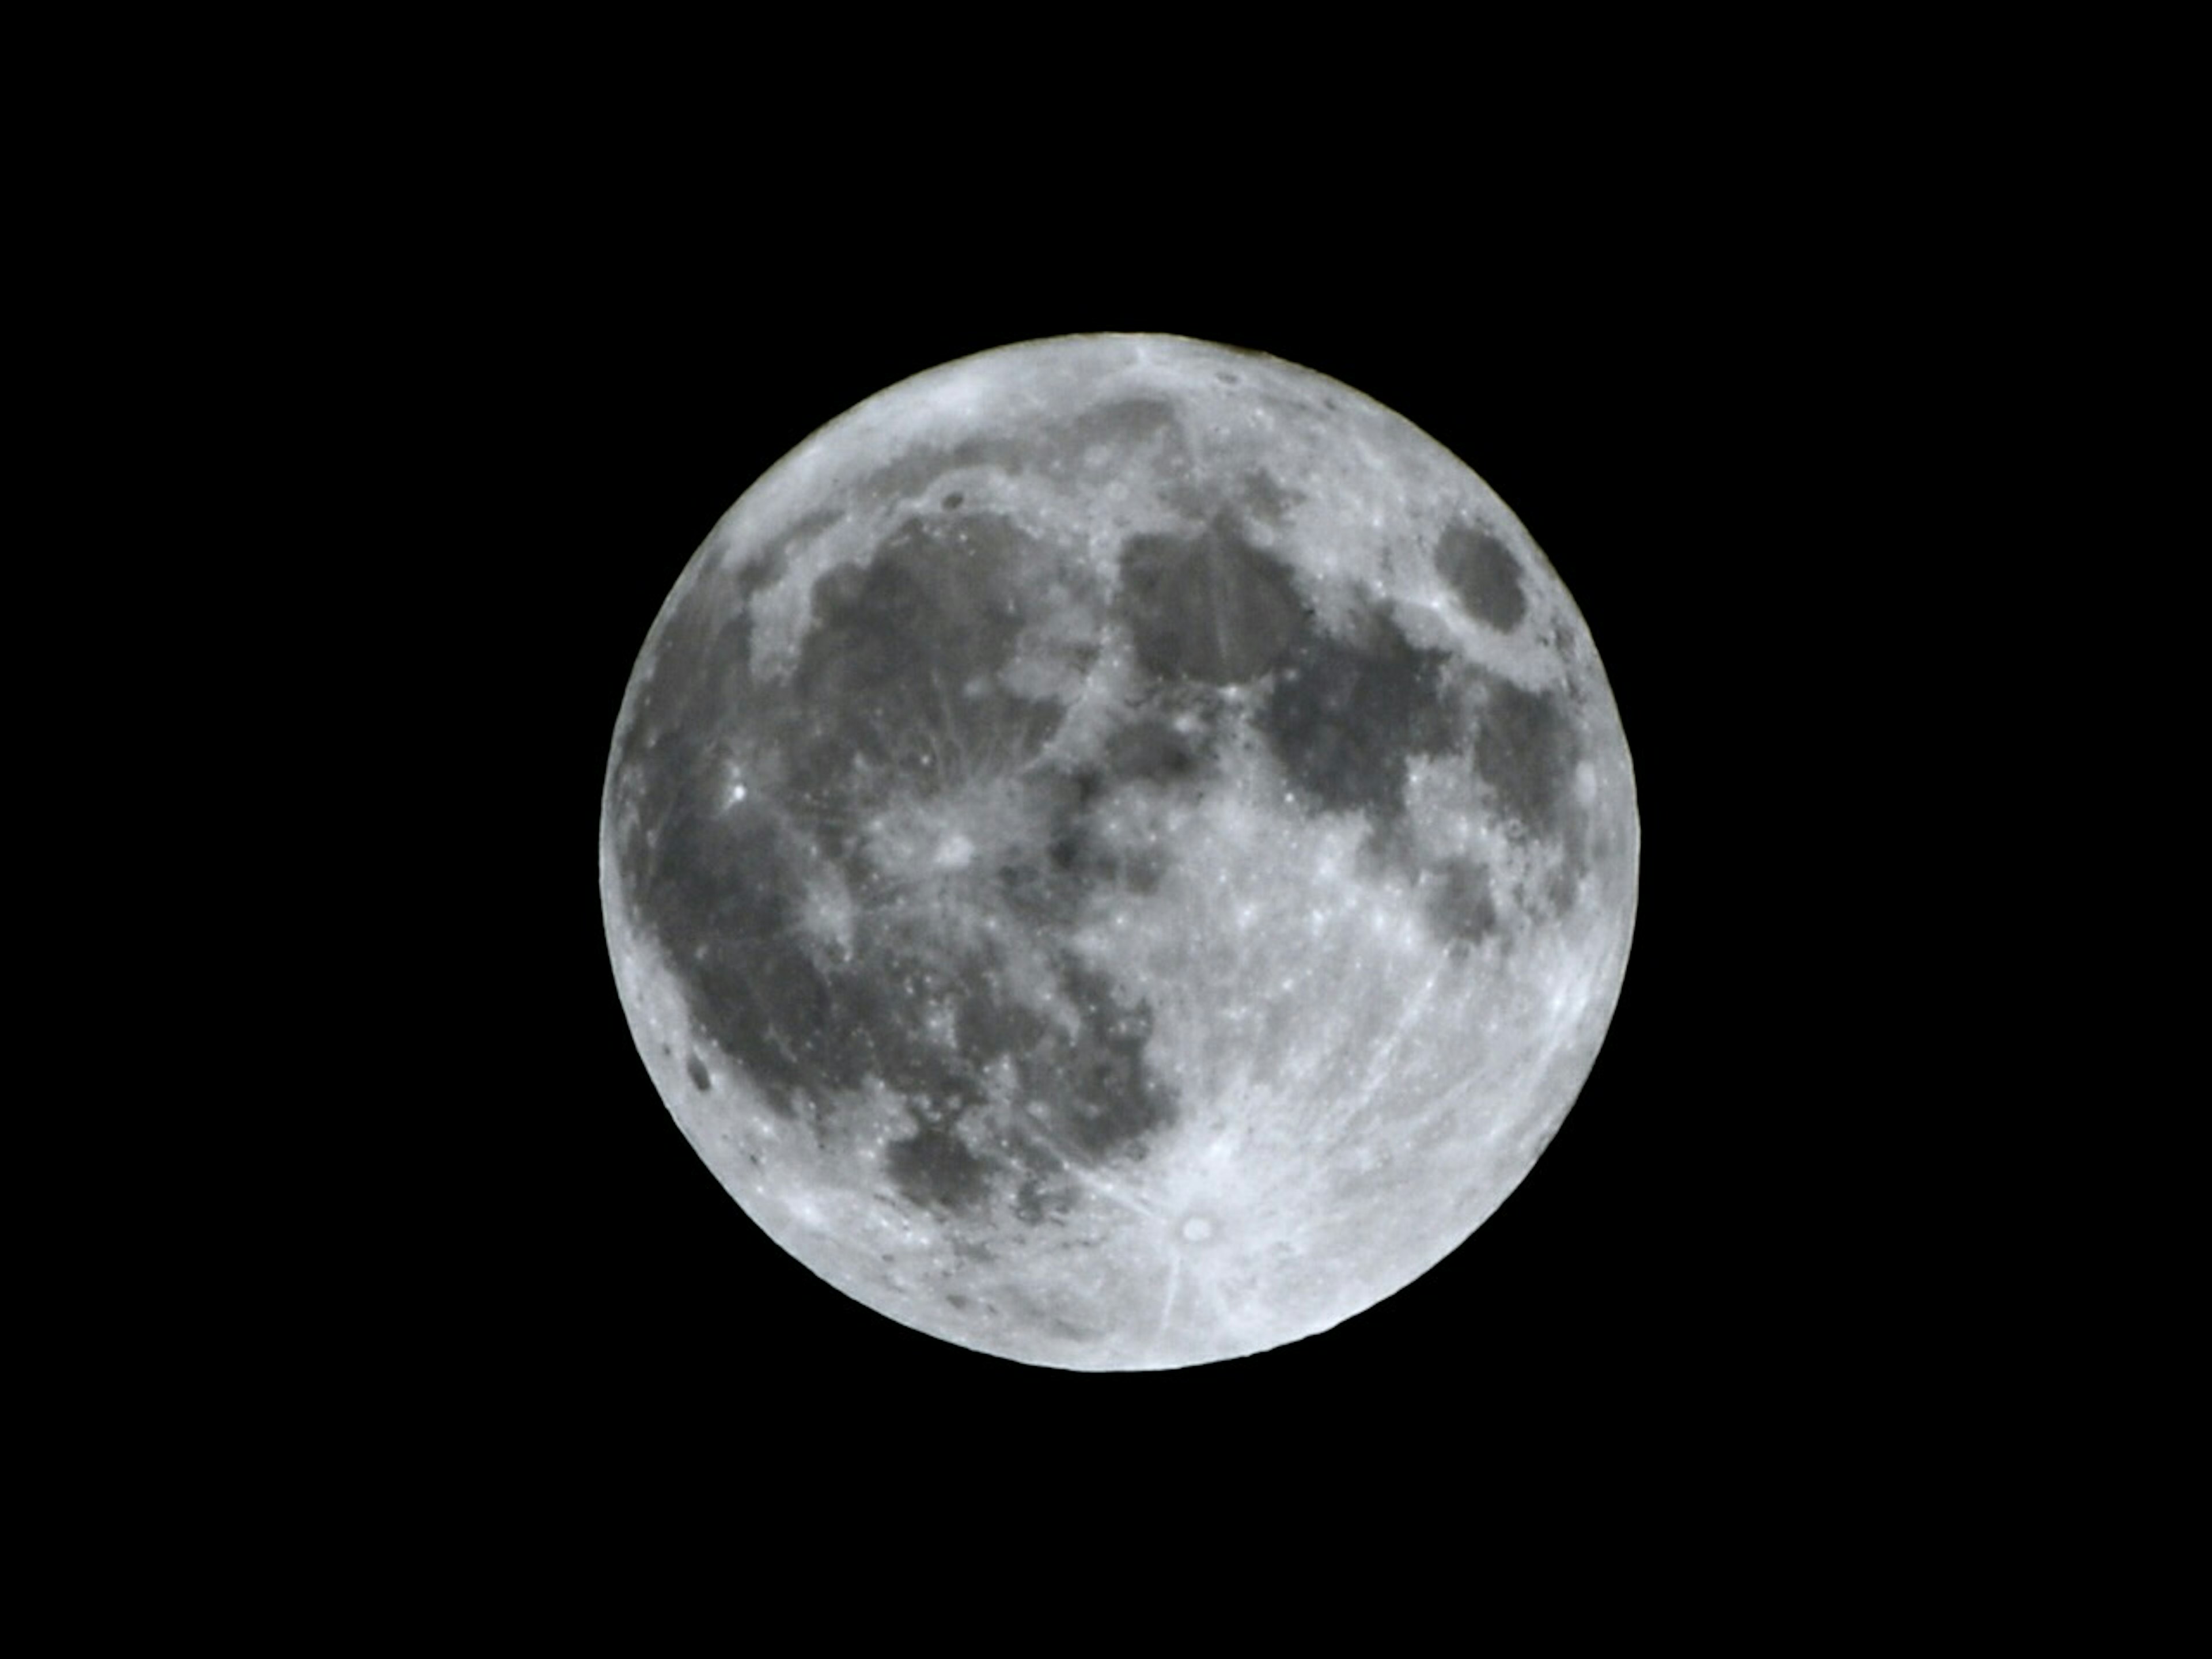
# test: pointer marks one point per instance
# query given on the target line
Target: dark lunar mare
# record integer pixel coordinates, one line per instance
(1484, 575)
(1526, 748)
(717, 883)
(1089, 1096)
(1346, 715)
(898, 672)
(1343, 712)
(1460, 902)
(1209, 606)
(1076, 862)
(1150, 749)
(894, 697)
(724, 902)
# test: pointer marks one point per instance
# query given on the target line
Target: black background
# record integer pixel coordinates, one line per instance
(1756, 360)
(1654, 1280)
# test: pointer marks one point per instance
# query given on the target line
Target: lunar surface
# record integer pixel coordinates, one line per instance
(1119, 852)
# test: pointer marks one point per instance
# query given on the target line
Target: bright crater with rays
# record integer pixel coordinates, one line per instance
(1119, 852)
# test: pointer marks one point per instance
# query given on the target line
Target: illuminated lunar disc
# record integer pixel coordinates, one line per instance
(1119, 852)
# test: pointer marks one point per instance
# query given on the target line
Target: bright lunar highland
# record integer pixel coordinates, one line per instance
(1119, 852)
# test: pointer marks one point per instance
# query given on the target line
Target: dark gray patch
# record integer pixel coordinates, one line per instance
(1484, 575)
(1038, 1202)
(1051, 884)
(1037, 890)
(900, 665)
(931, 1168)
(699, 1080)
(952, 500)
(1209, 607)
(1266, 498)
(1526, 747)
(1046, 884)
(887, 998)
(1561, 887)
(1154, 751)
(953, 1299)
(1095, 1088)
(872, 1022)
(1459, 903)
(1344, 715)
(1080, 855)
(1141, 870)
(1096, 1097)
(721, 894)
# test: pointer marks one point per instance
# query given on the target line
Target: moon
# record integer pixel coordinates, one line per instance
(1119, 852)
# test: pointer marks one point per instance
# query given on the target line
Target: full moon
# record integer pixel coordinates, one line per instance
(1119, 852)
